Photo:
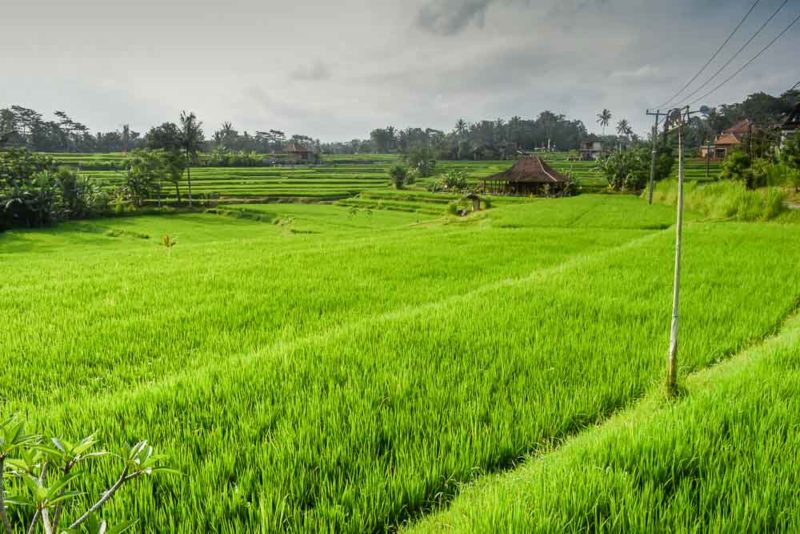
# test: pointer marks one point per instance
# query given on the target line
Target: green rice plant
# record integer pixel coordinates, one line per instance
(168, 242)
(721, 459)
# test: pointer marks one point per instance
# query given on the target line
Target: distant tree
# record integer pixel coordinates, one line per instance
(604, 118)
(192, 140)
(422, 159)
(624, 128)
(383, 139)
(168, 140)
(627, 170)
(165, 137)
(146, 170)
(398, 175)
(28, 193)
(461, 128)
(790, 154)
(738, 167)
(78, 196)
(226, 136)
(173, 164)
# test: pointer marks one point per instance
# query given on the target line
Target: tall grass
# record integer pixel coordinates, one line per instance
(724, 200)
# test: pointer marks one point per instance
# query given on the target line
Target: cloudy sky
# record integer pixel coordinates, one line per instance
(335, 69)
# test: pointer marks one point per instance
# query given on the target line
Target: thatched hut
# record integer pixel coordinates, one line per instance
(528, 176)
(297, 153)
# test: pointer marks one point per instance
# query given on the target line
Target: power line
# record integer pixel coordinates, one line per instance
(712, 58)
(736, 54)
(740, 69)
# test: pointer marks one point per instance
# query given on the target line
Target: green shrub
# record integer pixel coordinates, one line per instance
(737, 167)
(454, 180)
(398, 175)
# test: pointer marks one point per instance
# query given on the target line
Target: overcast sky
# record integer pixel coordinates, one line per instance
(337, 69)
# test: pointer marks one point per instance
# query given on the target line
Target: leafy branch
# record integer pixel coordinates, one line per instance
(41, 476)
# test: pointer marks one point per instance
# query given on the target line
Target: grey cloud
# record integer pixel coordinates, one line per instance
(313, 72)
(448, 17)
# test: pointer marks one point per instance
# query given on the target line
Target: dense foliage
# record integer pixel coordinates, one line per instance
(35, 192)
(629, 170)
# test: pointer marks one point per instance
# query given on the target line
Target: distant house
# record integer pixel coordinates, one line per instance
(297, 153)
(729, 140)
(528, 176)
(591, 150)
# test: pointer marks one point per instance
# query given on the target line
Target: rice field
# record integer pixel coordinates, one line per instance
(339, 177)
(344, 367)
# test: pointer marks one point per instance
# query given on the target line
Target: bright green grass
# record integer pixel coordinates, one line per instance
(350, 378)
(723, 459)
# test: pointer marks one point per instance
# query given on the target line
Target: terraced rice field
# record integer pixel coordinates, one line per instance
(327, 368)
(339, 177)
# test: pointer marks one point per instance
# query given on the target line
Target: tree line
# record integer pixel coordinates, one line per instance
(485, 139)
(22, 127)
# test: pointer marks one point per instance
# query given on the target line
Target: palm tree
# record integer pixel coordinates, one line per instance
(461, 127)
(603, 118)
(192, 141)
(624, 129)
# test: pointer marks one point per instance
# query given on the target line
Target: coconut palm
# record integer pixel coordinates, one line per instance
(192, 140)
(603, 119)
(461, 127)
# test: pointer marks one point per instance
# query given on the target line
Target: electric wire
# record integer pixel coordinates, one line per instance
(740, 69)
(737, 53)
(712, 58)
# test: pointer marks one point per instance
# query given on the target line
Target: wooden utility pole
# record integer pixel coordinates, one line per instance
(672, 360)
(657, 115)
(676, 120)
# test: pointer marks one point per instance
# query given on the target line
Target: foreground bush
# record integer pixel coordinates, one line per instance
(724, 200)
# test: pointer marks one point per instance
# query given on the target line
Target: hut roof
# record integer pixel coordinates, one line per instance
(727, 139)
(532, 170)
(294, 148)
(743, 127)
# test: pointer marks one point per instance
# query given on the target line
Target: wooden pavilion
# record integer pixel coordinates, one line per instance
(297, 153)
(528, 176)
